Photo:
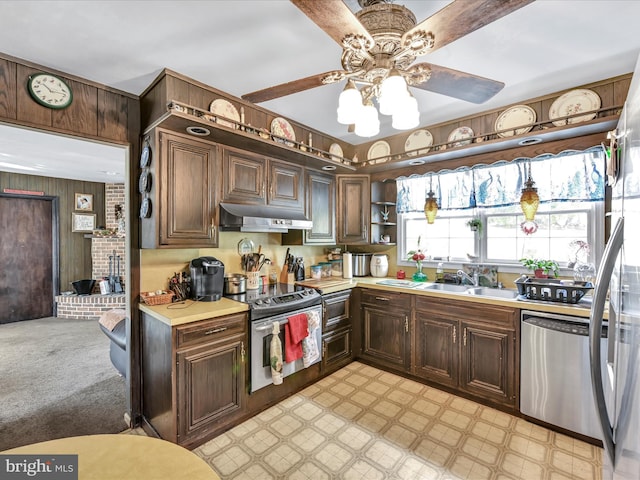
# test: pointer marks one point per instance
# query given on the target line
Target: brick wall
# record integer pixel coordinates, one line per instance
(89, 307)
(101, 249)
(114, 195)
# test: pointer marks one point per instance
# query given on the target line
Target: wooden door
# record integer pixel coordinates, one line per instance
(436, 349)
(210, 387)
(285, 185)
(28, 257)
(189, 194)
(353, 209)
(244, 177)
(385, 335)
(488, 362)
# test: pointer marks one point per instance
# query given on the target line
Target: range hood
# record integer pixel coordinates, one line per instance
(261, 218)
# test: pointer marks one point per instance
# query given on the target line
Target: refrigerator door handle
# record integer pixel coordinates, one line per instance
(595, 329)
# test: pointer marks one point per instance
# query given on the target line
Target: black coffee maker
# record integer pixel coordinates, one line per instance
(207, 279)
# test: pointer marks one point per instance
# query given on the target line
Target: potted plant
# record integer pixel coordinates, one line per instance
(475, 224)
(541, 268)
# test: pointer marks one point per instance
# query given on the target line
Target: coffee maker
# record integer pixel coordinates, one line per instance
(207, 279)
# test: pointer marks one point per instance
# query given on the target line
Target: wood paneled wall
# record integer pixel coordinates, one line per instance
(75, 249)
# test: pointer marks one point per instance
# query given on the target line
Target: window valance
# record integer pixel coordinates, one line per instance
(568, 176)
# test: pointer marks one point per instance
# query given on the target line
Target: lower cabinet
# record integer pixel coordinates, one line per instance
(337, 343)
(469, 347)
(385, 320)
(194, 377)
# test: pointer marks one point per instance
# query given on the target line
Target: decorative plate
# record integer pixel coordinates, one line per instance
(336, 152)
(222, 108)
(461, 136)
(144, 182)
(379, 150)
(420, 139)
(145, 156)
(282, 128)
(575, 101)
(515, 121)
(145, 208)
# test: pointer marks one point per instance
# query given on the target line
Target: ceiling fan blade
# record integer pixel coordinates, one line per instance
(462, 17)
(334, 17)
(285, 89)
(457, 84)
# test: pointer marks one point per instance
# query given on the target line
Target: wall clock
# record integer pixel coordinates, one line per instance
(50, 90)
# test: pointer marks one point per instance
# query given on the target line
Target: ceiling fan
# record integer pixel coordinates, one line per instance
(384, 39)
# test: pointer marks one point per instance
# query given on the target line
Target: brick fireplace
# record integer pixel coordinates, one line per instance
(102, 247)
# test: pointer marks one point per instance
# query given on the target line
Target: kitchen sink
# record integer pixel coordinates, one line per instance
(492, 292)
(445, 287)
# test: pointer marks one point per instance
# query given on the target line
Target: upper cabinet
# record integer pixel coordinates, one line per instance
(353, 209)
(179, 193)
(320, 207)
(253, 179)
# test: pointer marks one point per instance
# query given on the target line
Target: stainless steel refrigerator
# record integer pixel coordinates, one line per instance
(619, 276)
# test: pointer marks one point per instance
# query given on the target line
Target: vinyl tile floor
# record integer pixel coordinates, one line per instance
(362, 423)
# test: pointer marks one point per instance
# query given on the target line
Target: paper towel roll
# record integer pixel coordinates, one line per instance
(347, 265)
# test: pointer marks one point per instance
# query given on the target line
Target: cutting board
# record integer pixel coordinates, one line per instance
(323, 283)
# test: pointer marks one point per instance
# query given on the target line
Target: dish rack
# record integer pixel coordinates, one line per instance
(151, 298)
(552, 290)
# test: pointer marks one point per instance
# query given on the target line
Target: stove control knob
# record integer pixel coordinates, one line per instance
(267, 301)
(258, 302)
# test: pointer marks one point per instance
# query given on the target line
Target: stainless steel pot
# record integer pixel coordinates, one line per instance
(235, 283)
(361, 264)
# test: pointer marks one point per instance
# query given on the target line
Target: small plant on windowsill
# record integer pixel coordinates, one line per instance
(475, 224)
(541, 268)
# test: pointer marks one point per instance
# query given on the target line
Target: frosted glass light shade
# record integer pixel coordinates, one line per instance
(368, 123)
(430, 208)
(394, 87)
(529, 200)
(406, 115)
(349, 104)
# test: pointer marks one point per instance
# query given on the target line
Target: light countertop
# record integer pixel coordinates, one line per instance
(174, 314)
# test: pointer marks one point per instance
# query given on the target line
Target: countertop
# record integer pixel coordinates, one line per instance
(180, 313)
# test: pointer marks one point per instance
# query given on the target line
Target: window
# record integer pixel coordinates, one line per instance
(501, 240)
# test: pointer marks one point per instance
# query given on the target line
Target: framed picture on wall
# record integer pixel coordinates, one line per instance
(83, 222)
(84, 201)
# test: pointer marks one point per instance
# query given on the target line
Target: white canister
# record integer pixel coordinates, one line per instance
(379, 265)
(347, 266)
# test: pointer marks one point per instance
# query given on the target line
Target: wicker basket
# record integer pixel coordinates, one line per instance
(151, 298)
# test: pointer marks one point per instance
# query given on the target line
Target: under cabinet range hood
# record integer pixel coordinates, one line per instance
(261, 219)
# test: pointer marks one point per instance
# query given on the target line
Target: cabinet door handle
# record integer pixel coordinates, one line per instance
(242, 352)
(382, 299)
(464, 336)
(454, 334)
(406, 324)
(215, 330)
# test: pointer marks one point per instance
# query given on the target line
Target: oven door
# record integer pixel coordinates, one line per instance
(261, 343)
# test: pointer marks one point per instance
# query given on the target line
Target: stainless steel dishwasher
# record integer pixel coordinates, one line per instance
(555, 379)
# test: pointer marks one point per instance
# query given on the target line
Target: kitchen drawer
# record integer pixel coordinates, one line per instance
(463, 309)
(211, 330)
(336, 310)
(384, 299)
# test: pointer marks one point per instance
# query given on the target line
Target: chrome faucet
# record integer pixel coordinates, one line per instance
(475, 281)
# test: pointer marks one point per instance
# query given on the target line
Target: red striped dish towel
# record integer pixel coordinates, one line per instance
(294, 331)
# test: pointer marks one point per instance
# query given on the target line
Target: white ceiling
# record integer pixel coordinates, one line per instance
(245, 45)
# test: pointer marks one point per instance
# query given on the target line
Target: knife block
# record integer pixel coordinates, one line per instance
(286, 277)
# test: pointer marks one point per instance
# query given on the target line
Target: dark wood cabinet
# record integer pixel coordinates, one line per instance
(436, 347)
(253, 179)
(337, 344)
(193, 377)
(320, 207)
(183, 193)
(469, 347)
(386, 328)
(353, 209)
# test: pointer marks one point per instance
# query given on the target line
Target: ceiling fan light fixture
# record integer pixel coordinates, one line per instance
(393, 87)
(368, 123)
(349, 104)
(406, 114)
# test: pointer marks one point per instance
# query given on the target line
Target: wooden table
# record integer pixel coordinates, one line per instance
(124, 457)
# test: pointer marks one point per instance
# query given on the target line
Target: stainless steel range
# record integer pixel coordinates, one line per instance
(269, 304)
